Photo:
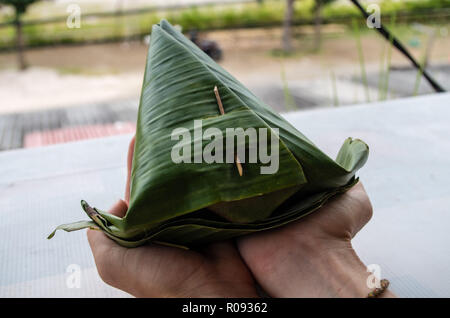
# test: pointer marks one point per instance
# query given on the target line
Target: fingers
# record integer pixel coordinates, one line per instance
(129, 166)
(99, 241)
(363, 210)
(119, 208)
(141, 271)
(107, 254)
(221, 251)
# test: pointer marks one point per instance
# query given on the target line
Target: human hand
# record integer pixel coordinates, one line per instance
(313, 257)
(153, 270)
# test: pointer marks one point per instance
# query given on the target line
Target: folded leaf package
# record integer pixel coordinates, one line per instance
(190, 203)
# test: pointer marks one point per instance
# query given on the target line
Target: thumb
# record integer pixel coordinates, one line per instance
(119, 208)
(99, 241)
(107, 254)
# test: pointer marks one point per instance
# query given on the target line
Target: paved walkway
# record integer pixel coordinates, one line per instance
(14, 127)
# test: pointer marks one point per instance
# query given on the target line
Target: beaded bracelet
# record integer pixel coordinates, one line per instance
(384, 284)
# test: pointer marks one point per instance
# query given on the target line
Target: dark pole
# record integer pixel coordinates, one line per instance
(19, 42)
(287, 26)
(386, 34)
(317, 24)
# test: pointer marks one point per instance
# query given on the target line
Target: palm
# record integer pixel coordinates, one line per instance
(160, 271)
(329, 229)
(155, 270)
(215, 271)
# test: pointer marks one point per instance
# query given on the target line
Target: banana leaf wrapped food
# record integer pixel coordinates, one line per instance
(192, 201)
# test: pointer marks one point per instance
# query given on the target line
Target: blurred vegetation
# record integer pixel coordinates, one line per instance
(20, 8)
(265, 14)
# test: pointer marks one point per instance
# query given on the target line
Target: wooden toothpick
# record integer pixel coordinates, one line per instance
(222, 112)
(238, 164)
(219, 101)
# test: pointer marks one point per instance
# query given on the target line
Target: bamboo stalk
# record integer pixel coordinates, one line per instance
(222, 112)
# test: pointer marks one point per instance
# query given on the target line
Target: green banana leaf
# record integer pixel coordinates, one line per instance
(187, 204)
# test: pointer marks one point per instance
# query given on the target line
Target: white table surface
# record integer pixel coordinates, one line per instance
(407, 177)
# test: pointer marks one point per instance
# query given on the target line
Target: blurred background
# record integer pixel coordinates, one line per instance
(72, 70)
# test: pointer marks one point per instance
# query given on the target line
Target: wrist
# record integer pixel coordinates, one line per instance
(346, 274)
(319, 269)
(352, 278)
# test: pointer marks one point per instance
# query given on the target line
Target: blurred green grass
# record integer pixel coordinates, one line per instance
(268, 13)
